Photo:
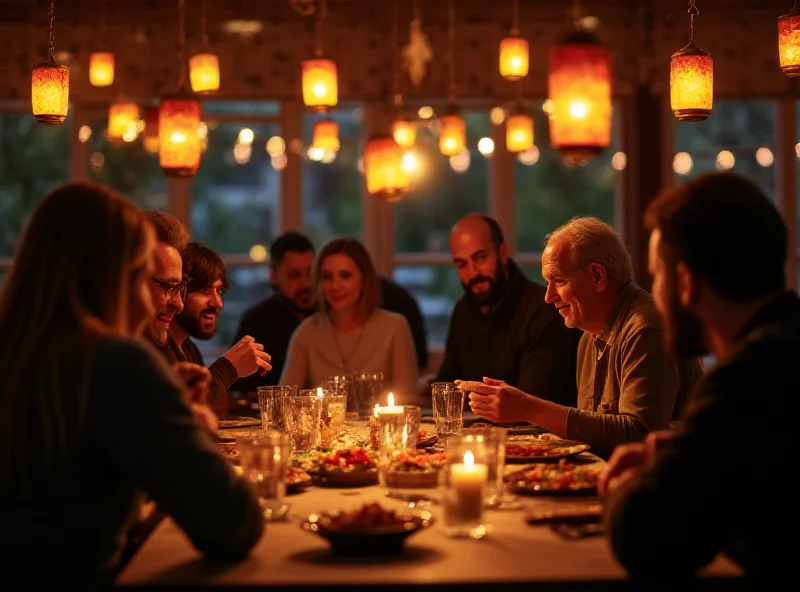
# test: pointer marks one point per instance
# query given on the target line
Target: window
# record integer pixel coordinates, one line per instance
(550, 192)
(124, 166)
(445, 190)
(333, 184)
(739, 136)
(34, 158)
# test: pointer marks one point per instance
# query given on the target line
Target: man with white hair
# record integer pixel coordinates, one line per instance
(628, 384)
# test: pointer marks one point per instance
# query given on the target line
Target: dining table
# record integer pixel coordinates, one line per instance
(513, 554)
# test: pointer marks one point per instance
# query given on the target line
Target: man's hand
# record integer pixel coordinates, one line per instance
(249, 357)
(631, 460)
(195, 380)
(496, 401)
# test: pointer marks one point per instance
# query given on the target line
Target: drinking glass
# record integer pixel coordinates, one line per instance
(269, 403)
(464, 484)
(494, 439)
(301, 417)
(367, 389)
(265, 461)
(340, 385)
(332, 414)
(448, 409)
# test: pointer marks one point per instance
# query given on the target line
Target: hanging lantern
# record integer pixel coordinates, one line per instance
(101, 68)
(404, 131)
(789, 41)
(519, 132)
(691, 84)
(452, 132)
(579, 87)
(178, 135)
(50, 85)
(326, 135)
(320, 85)
(204, 73)
(514, 58)
(122, 120)
(150, 133)
(383, 168)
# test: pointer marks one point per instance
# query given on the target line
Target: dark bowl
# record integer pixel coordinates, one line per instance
(369, 541)
(357, 478)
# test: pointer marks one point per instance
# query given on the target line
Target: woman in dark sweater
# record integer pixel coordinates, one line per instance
(90, 418)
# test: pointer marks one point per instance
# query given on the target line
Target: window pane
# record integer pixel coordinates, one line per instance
(265, 108)
(436, 289)
(249, 285)
(125, 166)
(236, 193)
(550, 192)
(739, 136)
(34, 158)
(533, 273)
(445, 189)
(332, 189)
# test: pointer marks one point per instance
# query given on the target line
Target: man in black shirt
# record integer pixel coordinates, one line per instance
(718, 482)
(502, 327)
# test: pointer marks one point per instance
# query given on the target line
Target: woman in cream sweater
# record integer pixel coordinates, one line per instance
(350, 334)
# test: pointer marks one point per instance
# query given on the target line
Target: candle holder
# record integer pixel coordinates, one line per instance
(332, 415)
(494, 439)
(464, 486)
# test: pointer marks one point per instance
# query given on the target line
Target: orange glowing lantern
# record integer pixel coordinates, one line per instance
(320, 84)
(579, 86)
(514, 58)
(122, 120)
(519, 132)
(179, 141)
(50, 92)
(789, 41)
(383, 168)
(204, 73)
(101, 68)
(691, 84)
(150, 133)
(404, 131)
(326, 135)
(452, 132)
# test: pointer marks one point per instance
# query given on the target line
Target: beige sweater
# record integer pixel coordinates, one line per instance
(385, 345)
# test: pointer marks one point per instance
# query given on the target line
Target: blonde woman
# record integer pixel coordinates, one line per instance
(350, 334)
(90, 417)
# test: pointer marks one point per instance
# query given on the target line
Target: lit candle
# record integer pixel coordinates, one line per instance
(390, 410)
(377, 406)
(319, 391)
(468, 481)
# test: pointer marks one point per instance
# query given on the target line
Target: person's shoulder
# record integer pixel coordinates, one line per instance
(640, 314)
(120, 355)
(387, 318)
(311, 324)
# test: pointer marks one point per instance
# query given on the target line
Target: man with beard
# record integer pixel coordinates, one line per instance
(676, 501)
(208, 281)
(502, 327)
(628, 384)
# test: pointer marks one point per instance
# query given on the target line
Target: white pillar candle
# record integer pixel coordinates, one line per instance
(390, 410)
(468, 482)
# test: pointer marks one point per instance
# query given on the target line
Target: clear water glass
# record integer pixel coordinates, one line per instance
(465, 481)
(332, 414)
(271, 407)
(265, 461)
(366, 393)
(301, 415)
(448, 409)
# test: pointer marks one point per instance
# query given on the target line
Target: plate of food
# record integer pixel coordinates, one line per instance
(230, 450)
(413, 469)
(347, 467)
(368, 530)
(297, 480)
(239, 422)
(555, 479)
(527, 449)
(426, 439)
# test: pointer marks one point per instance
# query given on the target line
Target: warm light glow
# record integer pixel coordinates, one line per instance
(383, 168)
(789, 43)
(279, 162)
(276, 146)
(150, 133)
(460, 162)
(513, 58)
(497, 115)
(619, 161)
(390, 400)
(725, 160)
(258, 253)
(50, 92)
(529, 157)
(204, 73)
(320, 84)
(246, 136)
(486, 146)
(425, 112)
(101, 68)
(315, 154)
(469, 458)
(180, 146)
(404, 131)
(84, 133)
(691, 84)
(579, 86)
(410, 163)
(326, 135)
(765, 157)
(452, 133)
(682, 163)
(121, 116)
(519, 132)
(319, 393)
(242, 153)
(377, 406)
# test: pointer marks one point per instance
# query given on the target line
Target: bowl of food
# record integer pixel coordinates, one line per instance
(368, 530)
(413, 469)
(347, 467)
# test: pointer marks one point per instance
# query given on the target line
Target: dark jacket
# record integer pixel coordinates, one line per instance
(522, 340)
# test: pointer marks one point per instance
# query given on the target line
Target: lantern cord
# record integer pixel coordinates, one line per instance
(181, 41)
(322, 14)
(577, 13)
(693, 12)
(398, 98)
(452, 50)
(417, 14)
(103, 21)
(204, 23)
(515, 18)
(50, 31)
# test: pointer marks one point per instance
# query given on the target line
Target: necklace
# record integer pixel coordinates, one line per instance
(345, 360)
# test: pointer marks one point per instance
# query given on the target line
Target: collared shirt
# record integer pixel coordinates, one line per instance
(628, 383)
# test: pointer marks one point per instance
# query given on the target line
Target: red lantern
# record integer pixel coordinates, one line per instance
(180, 146)
(50, 92)
(320, 84)
(383, 168)
(789, 41)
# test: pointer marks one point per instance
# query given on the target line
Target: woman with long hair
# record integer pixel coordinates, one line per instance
(90, 418)
(350, 334)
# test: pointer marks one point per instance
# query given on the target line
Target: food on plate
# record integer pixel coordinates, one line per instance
(541, 447)
(563, 476)
(346, 460)
(368, 516)
(413, 468)
(230, 450)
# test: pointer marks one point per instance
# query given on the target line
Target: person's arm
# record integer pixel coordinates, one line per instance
(404, 361)
(648, 387)
(223, 375)
(547, 366)
(138, 420)
(296, 369)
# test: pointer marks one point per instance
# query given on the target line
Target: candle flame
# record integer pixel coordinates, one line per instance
(391, 400)
(377, 405)
(319, 391)
(469, 458)
(405, 435)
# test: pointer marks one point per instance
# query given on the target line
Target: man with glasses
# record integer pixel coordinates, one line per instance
(207, 283)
